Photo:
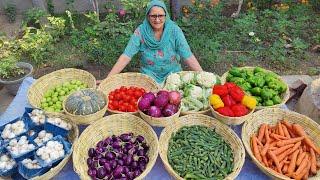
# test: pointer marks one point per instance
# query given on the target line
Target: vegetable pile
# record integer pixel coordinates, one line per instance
(52, 151)
(13, 130)
(18, 147)
(37, 116)
(53, 98)
(286, 149)
(195, 88)
(85, 102)
(125, 99)
(31, 164)
(163, 104)
(117, 157)
(230, 100)
(198, 152)
(265, 86)
(6, 162)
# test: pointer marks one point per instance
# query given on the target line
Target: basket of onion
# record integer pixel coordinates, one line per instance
(160, 109)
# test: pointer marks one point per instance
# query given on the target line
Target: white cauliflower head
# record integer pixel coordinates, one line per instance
(206, 79)
(187, 77)
(173, 81)
(193, 91)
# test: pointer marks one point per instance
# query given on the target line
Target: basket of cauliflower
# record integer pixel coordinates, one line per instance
(195, 88)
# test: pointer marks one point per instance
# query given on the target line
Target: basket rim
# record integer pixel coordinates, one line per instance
(213, 123)
(120, 116)
(247, 142)
(83, 116)
(285, 95)
(44, 77)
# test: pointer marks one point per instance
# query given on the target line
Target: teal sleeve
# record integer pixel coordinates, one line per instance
(133, 45)
(182, 45)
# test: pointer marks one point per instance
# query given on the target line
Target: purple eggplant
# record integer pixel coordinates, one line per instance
(92, 173)
(89, 162)
(120, 162)
(100, 144)
(140, 138)
(116, 144)
(128, 160)
(129, 146)
(107, 167)
(110, 155)
(117, 172)
(132, 151)
(102, 161)
(91, 152)
(136, 173)
(101, 173)
(134, 165)
(142, 167)
(113, 164)
(125, 137)
(141, 152)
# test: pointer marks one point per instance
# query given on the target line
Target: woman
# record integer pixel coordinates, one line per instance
(161, 44)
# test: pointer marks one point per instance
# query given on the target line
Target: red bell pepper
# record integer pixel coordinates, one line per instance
(226, 111)
(221, 90)
(239, 110)
(230, 85)
(228, 100)
(236, 93)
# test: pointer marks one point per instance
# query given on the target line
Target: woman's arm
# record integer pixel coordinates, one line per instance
(120, 65)
(193, 63)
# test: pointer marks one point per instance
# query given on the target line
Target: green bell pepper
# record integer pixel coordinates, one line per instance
(237, 80)
(276, 99)
(245, 86)
(268, 103)
(235, 72)
(256, 91)
(258, 98)
(258, 69)
(229, 77)
(267, 94)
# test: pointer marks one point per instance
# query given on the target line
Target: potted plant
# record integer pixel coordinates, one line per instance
(13, 72)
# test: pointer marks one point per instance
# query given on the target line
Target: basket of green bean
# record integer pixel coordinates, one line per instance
(200, 147)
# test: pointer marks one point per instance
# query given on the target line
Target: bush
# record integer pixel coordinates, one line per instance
(11, 12)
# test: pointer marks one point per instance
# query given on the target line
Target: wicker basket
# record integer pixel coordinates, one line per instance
(272, 116)
(127, 79)
(85, 119)
(72, 137)
(231, 120)
(51, 80)
(285, 96)
(206, 111)
(113, 125)
(198, 119)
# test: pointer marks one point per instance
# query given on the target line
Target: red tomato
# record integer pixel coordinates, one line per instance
(131, 108)
(133, 101)
(110, 106)
(116, 91)
(143, 90)
(115, 104)
(117, 96)
(111, 97)
(130, 92)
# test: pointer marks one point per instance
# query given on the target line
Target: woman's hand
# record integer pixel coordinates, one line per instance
(193, 63)
(120, 65)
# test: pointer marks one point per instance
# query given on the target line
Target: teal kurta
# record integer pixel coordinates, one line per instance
(159, 58)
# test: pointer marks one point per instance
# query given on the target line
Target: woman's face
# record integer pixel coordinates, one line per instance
(157, 17)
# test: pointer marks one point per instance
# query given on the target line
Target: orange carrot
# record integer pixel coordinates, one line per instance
(282, 149)
(296, 146)
(300, 158)
(285, 168)
(273, 144)
(281, 133)
(293, 163)
(318, 164)
(299, 130)
(275, 160)
(261, 132)
(265, 148)
(266, 134)
(259, 142)
(265, 161)
(303, 166)
(289, 141)
(278, 137)
(281, 165)
(306, 175)
(284, 154)
(285, 130)
(287, 124)
(255, 149)
(313, 162)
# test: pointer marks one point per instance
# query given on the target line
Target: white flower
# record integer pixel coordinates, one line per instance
(251, 33)
(257, 40)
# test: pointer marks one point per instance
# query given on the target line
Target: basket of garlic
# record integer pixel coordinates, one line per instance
(14, 129)
(57, 126)
(21, 148)
(34, 117)
(29, 168)
(53, 151)
(8, 166)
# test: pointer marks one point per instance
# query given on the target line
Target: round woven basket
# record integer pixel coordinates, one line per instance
(127, 79)
(51, 80)
(159, 122)
(230, 120)
(271, 116)
(115, 124)
(72, 138)
(85, 119)
(205, 111)
(198, 119)
(285, 96)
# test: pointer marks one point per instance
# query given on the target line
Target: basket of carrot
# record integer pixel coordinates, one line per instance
(283, 144)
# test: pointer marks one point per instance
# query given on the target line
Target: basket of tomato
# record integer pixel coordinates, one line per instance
(124, 90)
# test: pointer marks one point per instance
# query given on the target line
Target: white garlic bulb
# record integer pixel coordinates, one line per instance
(43, 137)
(12, 130)
(52, 151)
(31, 164)
(20, 147)
(6, 163)
(37, 116)
(59, 122)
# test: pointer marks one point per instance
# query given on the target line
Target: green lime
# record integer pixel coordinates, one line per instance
(50, 103)
(47, 94)
(43, 100)
(48, 99)
(78, 82)
(56, 94)
(73, 82)
(55, 99)
(62, 93)
(66, 84)
(61, 98)
(44, 105)
(51, 109)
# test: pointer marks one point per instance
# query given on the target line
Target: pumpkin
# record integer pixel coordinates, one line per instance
(84, 102)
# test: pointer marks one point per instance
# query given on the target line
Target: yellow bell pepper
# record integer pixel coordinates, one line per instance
(216, 101)
(249, 101)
